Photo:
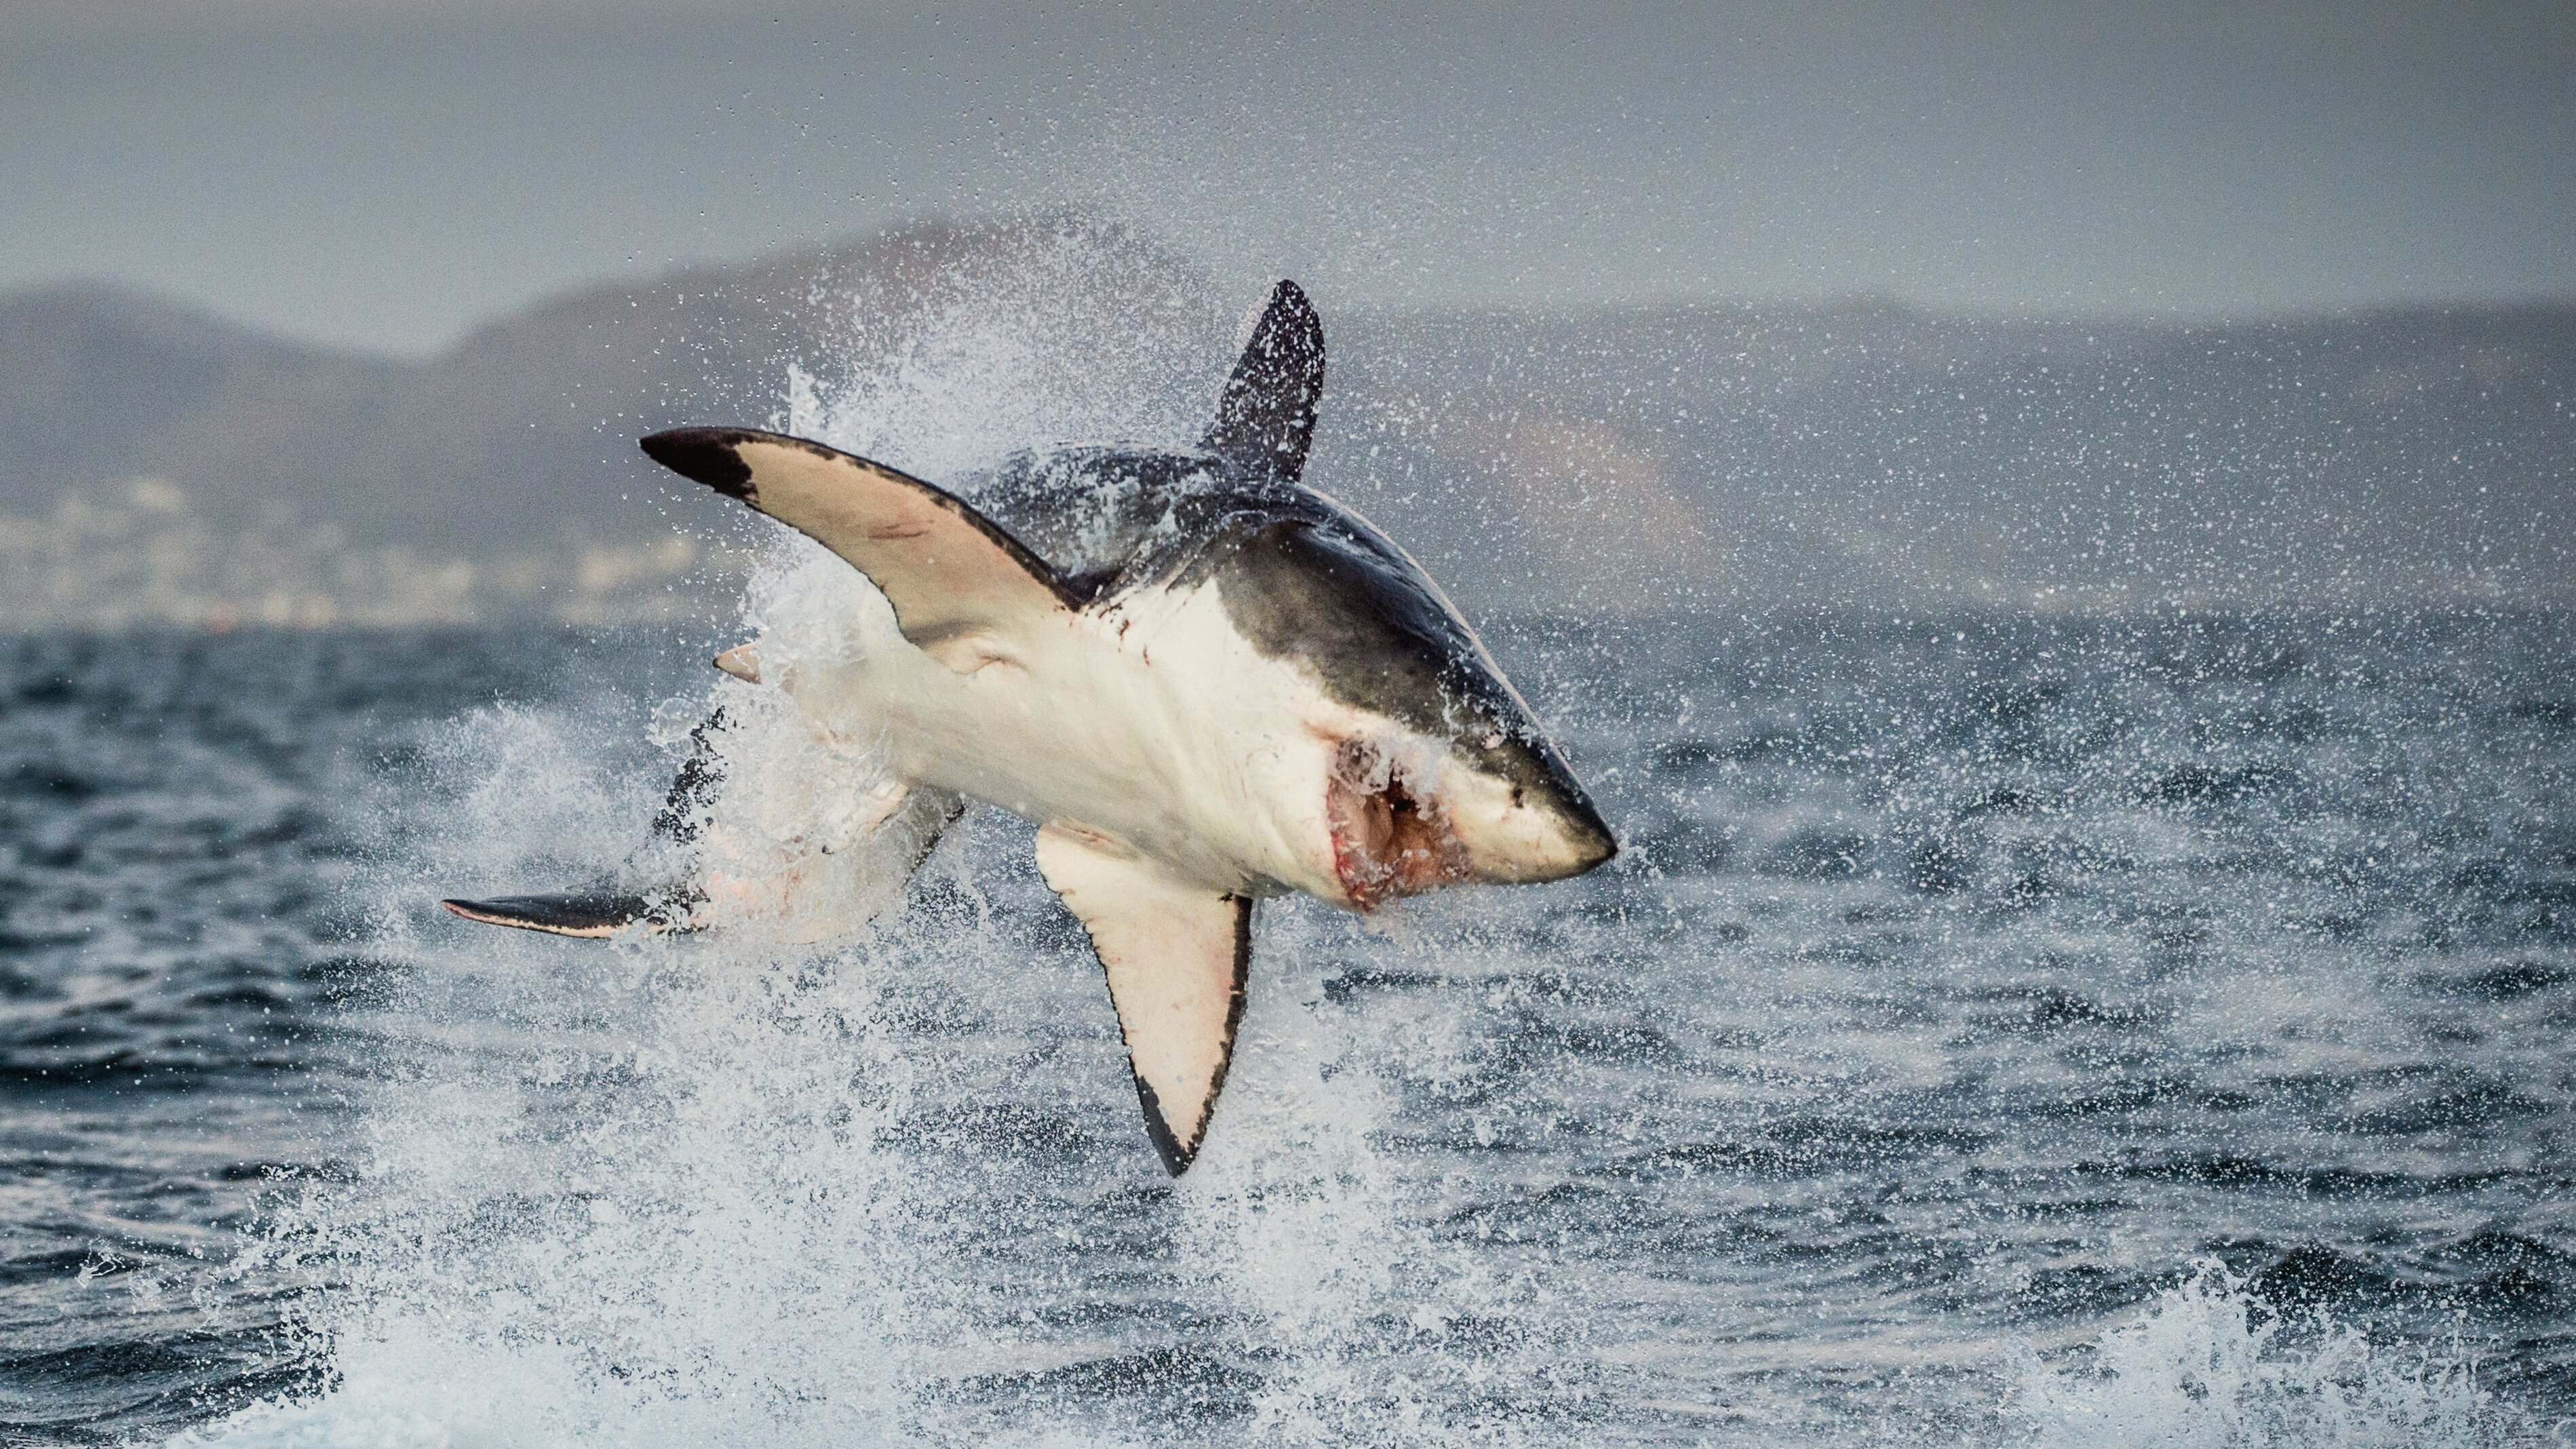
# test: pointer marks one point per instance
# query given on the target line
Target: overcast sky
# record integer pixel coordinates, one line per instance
(387, 173)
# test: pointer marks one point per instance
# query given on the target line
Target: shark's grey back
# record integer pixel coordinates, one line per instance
(1104, 514)
(1089, 511)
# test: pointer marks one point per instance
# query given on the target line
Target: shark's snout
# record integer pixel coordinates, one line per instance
(1577, 840)
(1527, 825)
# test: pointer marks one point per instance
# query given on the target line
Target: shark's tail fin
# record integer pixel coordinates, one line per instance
(593, 913)
(693, 789)
(802, 888)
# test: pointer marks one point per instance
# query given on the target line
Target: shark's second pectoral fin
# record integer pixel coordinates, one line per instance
(1176, 957)
(950, 572)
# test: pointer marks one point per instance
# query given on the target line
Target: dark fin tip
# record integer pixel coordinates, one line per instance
(707, 455)
(1176, 1158)
(591, 914)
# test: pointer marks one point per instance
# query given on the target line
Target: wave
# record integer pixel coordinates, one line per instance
(2209, 1365)
(891, 1189)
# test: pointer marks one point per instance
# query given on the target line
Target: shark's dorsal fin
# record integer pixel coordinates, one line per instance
(948, 570)
(1176, 958)
(1265, 420)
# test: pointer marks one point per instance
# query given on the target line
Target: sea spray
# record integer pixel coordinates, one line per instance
(1303, 1229)
(1074, 334)
(596, 1179)
(1959, 948)
(2209, 1365)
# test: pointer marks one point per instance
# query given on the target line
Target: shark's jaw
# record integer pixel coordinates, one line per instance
(1387, 841)
(1409, 818)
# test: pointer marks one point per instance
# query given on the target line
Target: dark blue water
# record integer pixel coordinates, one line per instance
(1998, 1030)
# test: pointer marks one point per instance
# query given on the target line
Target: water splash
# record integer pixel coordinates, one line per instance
(1317, 1238)
(2210, 1366)
(1076, 333)
(733, 1190)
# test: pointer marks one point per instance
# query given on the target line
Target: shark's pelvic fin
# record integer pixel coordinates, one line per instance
(1265, 419)
(900, 826)
(1176, 958)
(742, 661)
(950, 572)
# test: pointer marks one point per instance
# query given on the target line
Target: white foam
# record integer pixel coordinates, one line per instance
(678, 1191)
(2208, 1366)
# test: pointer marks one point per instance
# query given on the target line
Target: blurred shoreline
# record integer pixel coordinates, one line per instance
(158, 562)
(162, 466)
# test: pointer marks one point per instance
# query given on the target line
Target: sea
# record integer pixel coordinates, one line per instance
(1998, 1029)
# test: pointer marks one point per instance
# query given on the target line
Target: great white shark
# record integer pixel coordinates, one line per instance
(1206, 683)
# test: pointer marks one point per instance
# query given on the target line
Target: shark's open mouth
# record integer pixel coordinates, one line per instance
(1388, 840)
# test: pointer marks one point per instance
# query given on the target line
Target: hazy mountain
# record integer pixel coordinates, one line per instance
(1878, 453)
(157, 463)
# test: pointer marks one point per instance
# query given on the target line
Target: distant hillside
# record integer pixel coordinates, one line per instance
(159, 464)
(1877, 453)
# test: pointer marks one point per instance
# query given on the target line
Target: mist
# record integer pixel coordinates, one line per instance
(386, 176)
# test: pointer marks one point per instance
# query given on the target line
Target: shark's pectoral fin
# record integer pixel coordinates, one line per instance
(590, 914)
(1176, 957)
(948, 570)
(1265, 419)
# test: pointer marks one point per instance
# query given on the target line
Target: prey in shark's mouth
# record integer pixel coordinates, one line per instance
(1205, 682)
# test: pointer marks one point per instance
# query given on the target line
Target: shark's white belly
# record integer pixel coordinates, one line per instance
(1152, 723)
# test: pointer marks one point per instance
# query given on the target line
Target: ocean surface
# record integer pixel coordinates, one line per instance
(1998, 1030)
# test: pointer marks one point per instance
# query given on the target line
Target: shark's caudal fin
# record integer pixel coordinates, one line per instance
(591, 914)
(1265, 419)
(1176, 959)
(950, 572)
(904, 821)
